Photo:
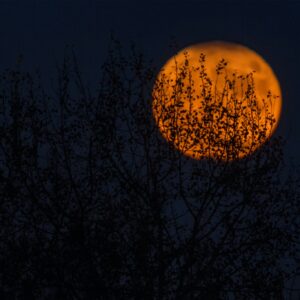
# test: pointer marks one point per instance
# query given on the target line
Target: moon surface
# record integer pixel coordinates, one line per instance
(216, 100)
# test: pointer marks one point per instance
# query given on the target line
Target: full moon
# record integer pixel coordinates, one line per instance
(216, 100)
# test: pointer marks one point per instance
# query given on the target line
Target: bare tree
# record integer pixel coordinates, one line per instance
(95, 204)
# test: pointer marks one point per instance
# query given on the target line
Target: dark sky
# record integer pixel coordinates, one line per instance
(40, 29)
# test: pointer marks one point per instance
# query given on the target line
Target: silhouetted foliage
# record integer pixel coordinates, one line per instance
(95, 204)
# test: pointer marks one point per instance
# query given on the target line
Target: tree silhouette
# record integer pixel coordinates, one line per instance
(95, 204)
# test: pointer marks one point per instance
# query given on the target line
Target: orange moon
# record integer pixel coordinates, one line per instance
(223, 113)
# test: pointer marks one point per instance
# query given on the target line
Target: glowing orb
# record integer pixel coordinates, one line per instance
(216, 100)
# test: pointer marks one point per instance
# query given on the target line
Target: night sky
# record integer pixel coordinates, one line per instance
(39, 30)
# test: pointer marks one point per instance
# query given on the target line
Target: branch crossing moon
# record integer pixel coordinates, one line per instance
(216, 100)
